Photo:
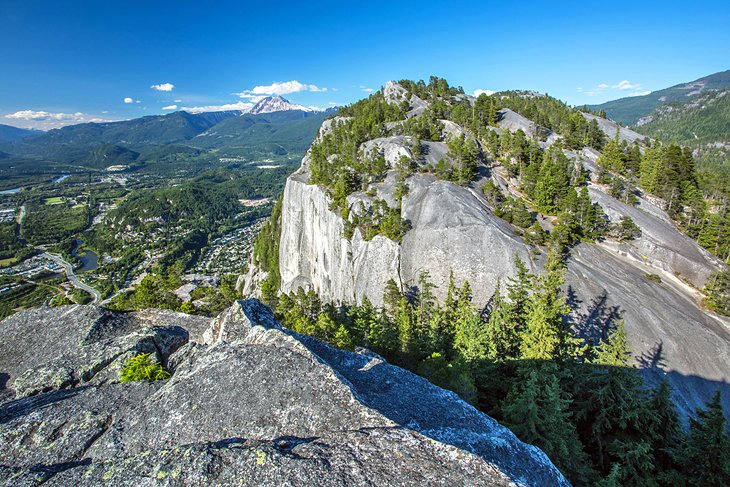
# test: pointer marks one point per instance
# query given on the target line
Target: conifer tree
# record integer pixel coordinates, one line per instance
(537, 413)
(502, 330)
(614, 352)
(391, 297)
(546, 336)
(667, 437)
(363, 320)
(342, 339)
(407, 330)
(706, 458)
(612, 159)
(614, 410)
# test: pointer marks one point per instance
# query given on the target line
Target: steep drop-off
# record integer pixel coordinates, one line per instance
(249, 403)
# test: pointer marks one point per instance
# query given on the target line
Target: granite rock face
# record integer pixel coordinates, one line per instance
(670, 336)
(249, 403)
(454, 229)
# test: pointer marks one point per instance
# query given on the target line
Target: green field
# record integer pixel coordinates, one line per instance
(55, 200)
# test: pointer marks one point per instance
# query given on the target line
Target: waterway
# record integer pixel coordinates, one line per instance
(89, 259)
(59, 179)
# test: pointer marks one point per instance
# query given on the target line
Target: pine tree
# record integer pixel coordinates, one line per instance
(614, 352)
(363, 319)
(325, 327)
(718, 292)
(391, 297)
(667, 437)
(502, 332)
(650, 169)
(342, 339)
(426, 299)
(614, 410)
(546, 336)
(407, 330)
(706, 458)
(612, 159)
(536, 411)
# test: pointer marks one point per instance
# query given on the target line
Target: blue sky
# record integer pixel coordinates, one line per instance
(65, 62)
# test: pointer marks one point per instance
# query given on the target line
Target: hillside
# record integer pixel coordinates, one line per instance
(703, 123)
(628, 111)
(504, 246)
(11, 134)
(291, 130)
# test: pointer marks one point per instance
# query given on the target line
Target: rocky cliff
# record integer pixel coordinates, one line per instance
(454, 229)
(249, 403)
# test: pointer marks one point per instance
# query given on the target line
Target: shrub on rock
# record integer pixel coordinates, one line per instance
(142, 367)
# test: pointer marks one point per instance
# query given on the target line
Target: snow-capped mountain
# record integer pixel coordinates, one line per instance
(278, 104)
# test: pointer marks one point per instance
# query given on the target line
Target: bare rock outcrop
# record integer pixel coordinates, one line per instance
(254, 404)
(610, 127)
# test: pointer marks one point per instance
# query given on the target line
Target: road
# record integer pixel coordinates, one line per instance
(73, 278)
(21, 215)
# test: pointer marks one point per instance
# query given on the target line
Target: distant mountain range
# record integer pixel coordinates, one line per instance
(275, 129)
(628, 111)
(9, 133)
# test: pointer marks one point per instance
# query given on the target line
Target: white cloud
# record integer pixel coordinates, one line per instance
(625, 85)
(41, 115)
(49, 120)
(170, 107)
(128, 100)
(366, 89)
(279, 88)
(485, 92)
(177, 101)
(163, 87)
(241, 105)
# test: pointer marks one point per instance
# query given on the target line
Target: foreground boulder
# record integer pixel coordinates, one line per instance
(249, 403)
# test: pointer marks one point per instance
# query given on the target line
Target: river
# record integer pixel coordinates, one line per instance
(59, 179)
